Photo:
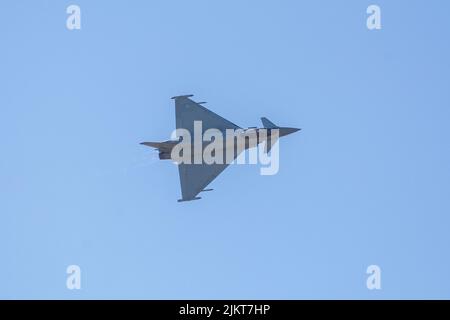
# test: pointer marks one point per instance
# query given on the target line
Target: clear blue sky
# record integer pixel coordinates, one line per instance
(365, 182)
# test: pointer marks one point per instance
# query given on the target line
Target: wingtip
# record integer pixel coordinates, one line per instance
(189, 199)
(182, 96)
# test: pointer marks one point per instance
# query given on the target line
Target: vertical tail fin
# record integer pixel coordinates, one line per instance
(267, 123)
(155, 145)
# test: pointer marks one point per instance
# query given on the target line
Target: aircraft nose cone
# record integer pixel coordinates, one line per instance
(286, 131)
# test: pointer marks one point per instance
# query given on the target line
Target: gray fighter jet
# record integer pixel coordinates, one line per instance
(194, 177)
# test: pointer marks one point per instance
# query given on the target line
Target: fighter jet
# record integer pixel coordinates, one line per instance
(194, 177)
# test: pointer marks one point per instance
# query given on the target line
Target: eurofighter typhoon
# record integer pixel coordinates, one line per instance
(204, 144)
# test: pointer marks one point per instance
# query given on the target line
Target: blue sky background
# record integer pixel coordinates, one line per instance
(365, 182)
